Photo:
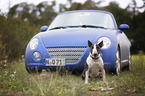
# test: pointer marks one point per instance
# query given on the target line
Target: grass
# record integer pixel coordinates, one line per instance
(14, 80)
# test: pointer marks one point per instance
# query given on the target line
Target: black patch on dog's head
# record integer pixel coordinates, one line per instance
(91, 46)
(89, 43)
(101, 44)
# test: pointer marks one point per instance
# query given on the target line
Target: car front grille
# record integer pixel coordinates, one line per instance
(71, 54)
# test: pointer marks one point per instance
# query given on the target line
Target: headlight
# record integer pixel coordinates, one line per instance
(106, 41)
(37, 55)
(34, 43)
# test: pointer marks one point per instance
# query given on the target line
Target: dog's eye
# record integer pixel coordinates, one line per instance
(92, 47)
(97, 47)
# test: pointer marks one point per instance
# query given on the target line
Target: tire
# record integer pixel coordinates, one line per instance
(118, 62)
(128, 67)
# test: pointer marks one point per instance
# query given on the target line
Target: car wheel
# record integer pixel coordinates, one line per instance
(118, 63)
(128, 67)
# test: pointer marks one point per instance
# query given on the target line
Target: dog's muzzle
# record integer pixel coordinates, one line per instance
(95, 56)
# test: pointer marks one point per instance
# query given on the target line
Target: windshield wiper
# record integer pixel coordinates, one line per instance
(60, 27)
(92, 26)
(86, 26)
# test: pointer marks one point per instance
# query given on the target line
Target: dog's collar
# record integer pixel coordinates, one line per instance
(94, 58)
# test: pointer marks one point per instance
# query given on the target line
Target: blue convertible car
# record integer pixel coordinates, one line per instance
(64, 44)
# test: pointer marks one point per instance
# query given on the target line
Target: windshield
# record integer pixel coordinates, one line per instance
(100, 19)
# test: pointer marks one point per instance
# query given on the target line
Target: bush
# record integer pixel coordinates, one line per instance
(14, 36)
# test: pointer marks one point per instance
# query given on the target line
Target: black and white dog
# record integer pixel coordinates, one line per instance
(94, 63)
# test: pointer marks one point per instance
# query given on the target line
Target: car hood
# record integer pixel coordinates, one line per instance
(72, 36)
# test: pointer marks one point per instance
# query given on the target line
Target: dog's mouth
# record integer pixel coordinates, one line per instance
(95, 56)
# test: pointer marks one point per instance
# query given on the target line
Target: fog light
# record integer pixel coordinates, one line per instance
(37, 55)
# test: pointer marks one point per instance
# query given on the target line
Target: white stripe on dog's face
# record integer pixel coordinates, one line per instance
(94, 50)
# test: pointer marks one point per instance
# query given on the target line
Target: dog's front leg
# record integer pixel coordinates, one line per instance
(86, 76)
(85, 69)
(104, 77)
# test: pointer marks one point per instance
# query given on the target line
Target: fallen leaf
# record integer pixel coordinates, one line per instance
(96, 87)
(59, 93)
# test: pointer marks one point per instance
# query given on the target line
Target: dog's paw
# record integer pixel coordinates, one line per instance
(86, 82)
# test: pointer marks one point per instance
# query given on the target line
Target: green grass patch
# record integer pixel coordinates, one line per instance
(14, 80)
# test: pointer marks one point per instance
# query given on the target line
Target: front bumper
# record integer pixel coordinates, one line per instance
(79, 66)
(108, 56)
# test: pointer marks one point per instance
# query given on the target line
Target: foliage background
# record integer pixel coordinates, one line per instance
(24, 20)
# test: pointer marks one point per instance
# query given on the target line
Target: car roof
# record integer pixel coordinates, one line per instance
(66, 12)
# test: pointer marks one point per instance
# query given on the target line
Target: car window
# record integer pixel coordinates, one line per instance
(83, 18)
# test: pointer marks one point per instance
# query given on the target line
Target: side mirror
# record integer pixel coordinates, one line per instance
(44, 28)
(124, 27)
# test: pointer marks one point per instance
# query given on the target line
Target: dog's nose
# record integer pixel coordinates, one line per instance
(95, 55)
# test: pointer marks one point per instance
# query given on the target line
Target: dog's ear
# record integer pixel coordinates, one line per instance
(89, 43)
(101, 44)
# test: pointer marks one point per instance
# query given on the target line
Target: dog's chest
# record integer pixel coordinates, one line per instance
(95, 63)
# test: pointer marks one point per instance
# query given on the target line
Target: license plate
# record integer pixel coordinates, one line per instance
(55, 62)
